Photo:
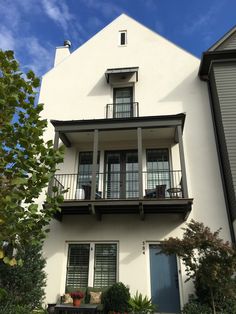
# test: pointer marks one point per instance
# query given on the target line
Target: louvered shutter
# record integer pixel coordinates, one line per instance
(105, 265)
(78, 265)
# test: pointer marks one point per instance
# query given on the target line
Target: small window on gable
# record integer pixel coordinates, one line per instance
(122, 38)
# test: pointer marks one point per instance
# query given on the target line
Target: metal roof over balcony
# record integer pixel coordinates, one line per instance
(121, 71)
(158, 127)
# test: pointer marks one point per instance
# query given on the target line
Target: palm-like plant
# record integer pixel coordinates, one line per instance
(141, 304)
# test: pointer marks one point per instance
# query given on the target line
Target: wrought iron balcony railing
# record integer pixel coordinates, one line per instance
(122, 185)
(122, 110)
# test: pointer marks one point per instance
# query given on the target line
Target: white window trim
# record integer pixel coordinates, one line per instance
(91, 261)
(119, 38)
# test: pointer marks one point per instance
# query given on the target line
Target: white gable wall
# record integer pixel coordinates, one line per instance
(168, 84)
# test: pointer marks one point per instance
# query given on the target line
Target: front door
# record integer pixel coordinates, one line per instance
(121, 174)
(164, 281)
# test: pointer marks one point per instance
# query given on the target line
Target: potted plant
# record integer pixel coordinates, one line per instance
(116, 299)
(77, 296)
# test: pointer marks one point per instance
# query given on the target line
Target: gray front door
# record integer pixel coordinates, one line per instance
(164, 281)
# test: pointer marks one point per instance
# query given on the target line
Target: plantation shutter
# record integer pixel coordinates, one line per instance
(105, 265)
(78, 265)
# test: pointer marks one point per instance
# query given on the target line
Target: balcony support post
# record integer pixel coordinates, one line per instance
(182, 161)
(55, 146)
(94, 166)
(56, 140)
(140, 157)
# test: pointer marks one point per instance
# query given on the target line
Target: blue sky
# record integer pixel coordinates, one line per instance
(33, 28)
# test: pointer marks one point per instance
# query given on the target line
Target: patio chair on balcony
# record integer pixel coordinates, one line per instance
(87, 191)
(158, 192)
(161, 191)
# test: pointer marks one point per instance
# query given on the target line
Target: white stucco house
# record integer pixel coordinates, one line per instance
(141, 159)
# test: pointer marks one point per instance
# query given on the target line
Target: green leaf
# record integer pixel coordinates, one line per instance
(19, 181)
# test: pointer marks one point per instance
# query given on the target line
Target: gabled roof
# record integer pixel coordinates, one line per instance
(121, 19)
(224, 40)
(223, 50)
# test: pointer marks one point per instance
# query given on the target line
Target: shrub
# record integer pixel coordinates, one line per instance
(227, 306)
(117, 298)
(196, 308)
(24, 284)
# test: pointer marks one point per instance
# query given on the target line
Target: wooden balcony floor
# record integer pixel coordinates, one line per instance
(99, 207)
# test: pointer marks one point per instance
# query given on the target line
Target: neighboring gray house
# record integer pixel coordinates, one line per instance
(218, 68)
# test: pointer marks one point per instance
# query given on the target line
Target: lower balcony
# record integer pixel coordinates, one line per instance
(124, 192)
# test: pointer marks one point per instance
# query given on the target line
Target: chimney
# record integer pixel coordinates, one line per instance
(62, 52)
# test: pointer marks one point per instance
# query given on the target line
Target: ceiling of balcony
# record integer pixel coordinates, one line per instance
(123, 135)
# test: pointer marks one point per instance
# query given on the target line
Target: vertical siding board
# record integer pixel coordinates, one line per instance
(223, 86)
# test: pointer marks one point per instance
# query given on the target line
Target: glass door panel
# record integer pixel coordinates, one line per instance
(131, 175)
(113, 167)
(121, 174)
(123, 102)
(158, 168)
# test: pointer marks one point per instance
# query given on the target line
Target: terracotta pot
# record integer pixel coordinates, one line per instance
(76, 302)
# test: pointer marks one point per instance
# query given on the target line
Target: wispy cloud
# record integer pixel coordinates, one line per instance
(41, 56)
(106, 8)
(201, 21)
(14, 31)
(7, 39)
(159, 27)
(58, 11)
(151, 4)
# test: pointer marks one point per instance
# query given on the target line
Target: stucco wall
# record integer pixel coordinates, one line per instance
(168, 84)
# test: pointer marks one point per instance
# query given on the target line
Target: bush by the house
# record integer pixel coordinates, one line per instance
(23, 286)
(117, 298)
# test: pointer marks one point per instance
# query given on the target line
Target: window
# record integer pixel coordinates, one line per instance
(158, 168)
(91, 264)
(123, 102)
(85, 168)
(123, 38)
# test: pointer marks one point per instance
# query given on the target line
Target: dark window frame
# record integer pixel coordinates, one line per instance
(127, 108)
(123, 38)
(110, 264)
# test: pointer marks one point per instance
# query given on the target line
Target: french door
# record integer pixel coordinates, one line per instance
(121, 180)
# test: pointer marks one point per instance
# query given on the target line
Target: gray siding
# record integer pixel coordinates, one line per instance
(223, 86)
(230, 43)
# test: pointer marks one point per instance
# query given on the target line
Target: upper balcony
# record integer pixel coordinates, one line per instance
(122, 110)
(126, 166)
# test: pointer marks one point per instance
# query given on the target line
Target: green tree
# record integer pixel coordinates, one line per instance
(209, 260)
(27, 163)
(23, 285)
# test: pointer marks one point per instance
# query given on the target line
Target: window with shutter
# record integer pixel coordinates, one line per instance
(91, 264)
(78, 265)
(105, 265)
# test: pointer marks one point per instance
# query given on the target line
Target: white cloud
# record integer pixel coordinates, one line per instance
(41, 56)
(58, 12)
(7, 39)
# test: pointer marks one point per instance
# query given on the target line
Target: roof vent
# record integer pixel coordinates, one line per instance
(67, 43)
